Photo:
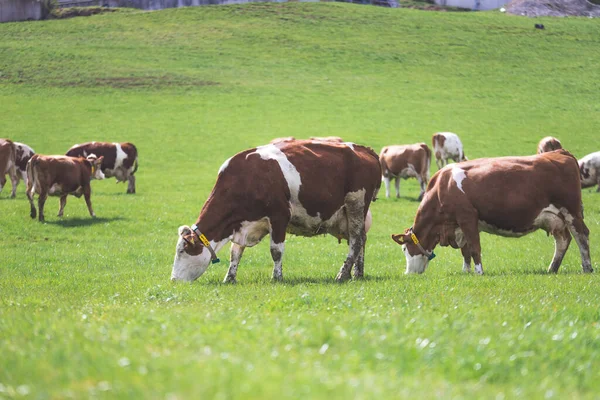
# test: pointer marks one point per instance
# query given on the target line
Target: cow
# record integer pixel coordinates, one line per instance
(23, 154)
(589, 169)
(336, 139)
(300, 187)
(282, 139)
(61, 176)
(548, 143)
(447, 146)
(506, 196)
(120, 159)
(405, 161)
(8, 165)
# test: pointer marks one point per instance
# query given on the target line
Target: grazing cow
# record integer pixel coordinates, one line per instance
(282, 139)
(507, 196)
(447, 146)
(8, 165)
(120, 159)
(61, 176)
(301, 187)
(548, 143)
(409, 161)
(589, 168)
(336, 139)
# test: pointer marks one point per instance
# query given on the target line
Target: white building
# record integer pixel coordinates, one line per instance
(473, 4)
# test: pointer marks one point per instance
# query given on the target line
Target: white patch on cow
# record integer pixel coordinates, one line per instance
(251, 232)
(459, 237)
(466, 266)
(188, 267)
(410, 172)
(54, 189)
(590, 165)
(479, 269)
(349, 144)
(415, 264)
(368, 220)
(224, 165)
(290, 173)
(459, 175)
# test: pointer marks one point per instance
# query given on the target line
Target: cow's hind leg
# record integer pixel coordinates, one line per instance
(14, 181)
(63, 203)
(581, 233)
(423, 183)
(87, 194)
(278, 226)
(562, 239)
(234, 261)
(397, 186)
(29, 193)
(131, 184)
(359, 265)
(354, 203)
(386, 181)
(41, 201)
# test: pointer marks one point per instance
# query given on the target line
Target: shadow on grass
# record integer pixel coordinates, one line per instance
(75, 222)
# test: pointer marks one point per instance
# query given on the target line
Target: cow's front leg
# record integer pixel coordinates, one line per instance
(234, 260)
(63, 203)
(466, 253)
(131, 184)
(471, 231)
(438, 163)
(87, 194)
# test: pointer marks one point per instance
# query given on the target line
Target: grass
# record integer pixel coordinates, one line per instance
(87, 308)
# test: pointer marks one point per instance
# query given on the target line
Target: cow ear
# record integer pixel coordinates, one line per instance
(400, 238)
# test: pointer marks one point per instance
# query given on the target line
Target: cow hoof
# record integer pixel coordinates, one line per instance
(277, 278)
(342, 277)
(32, 215)
(588, 270)
(131, 192)
(230, 279)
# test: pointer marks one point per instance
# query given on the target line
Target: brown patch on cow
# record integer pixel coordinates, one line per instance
(8, 163)
(438, 139)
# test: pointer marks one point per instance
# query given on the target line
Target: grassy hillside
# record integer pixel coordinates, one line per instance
(87, 308)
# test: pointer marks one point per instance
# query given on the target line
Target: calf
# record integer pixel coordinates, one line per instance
(301, 187)
(447, 146)
(120, 159)
(508, 196)
(405, 162)
(8, 165)
(61, 176)
(548, 143)
(589, 169)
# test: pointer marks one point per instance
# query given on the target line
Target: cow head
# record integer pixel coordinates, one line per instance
(192, 258)
(96, 163)
(417, 258)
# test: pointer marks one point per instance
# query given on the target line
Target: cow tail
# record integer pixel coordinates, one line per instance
(30, 169)
(135, 166)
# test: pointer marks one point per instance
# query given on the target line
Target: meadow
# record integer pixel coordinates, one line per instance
(87, 309)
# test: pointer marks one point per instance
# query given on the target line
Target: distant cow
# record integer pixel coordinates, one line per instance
(120, 159)
(589, 168)
(447, 146)
(23, 154)
(508, 196)
(301, 187)
(336, 139)
(61, 176)
(8, 165)
(548, 143)
(282, 139)
(408, 161)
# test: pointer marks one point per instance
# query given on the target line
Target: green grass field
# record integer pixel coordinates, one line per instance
(87, 308)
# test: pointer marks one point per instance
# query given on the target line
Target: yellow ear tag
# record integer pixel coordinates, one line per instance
(204, 240)
(192, 239)
(414, 238)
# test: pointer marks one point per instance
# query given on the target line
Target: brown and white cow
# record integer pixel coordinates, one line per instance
(589, 168)
(301, 187)
(8, 165)
(282, 139)
(507, 196)
(548, 143)
(61, 176)
(447, 146)
(23, 155)
(405, 161)
(120, 159)
(336, 139)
